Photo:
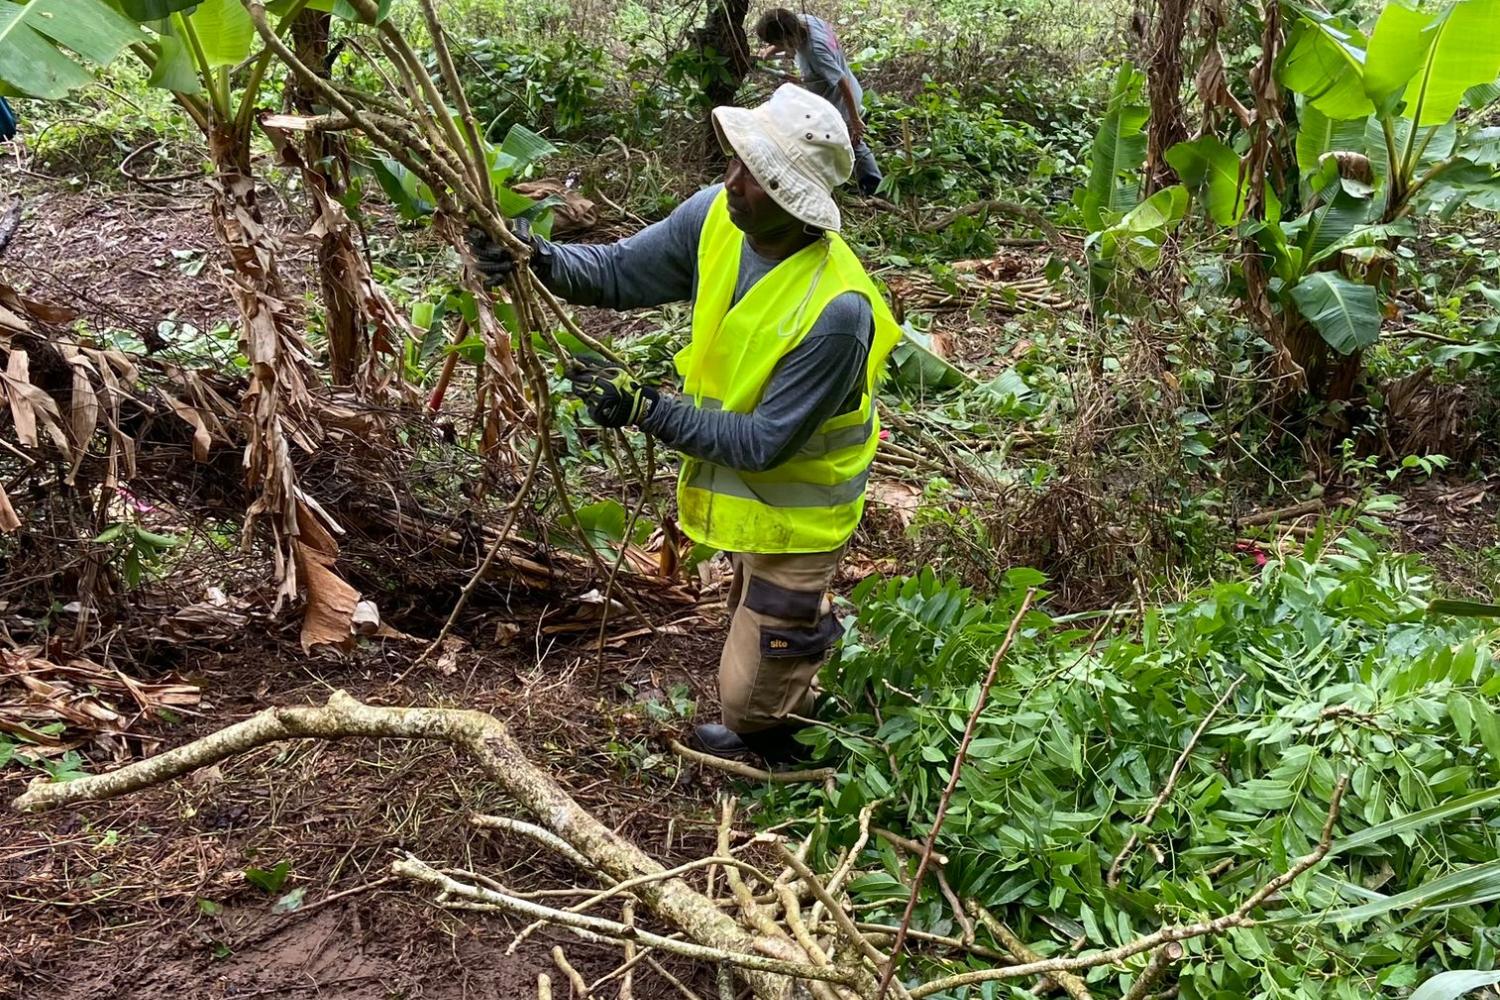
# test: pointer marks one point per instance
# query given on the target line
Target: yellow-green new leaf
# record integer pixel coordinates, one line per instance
(1119, 148)
(42, 43)
(1398, 48)
(1136, 240)
(224, 30)
(1215, 171)
(1464, 53)
(174, 65)
(1325, 64)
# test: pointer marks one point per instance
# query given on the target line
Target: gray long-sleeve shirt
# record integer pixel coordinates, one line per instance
(820, 378)
(823, 65)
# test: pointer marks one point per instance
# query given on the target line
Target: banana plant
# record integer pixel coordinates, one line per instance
(1394, 96)
(48, 48)
(1379, 140)
(1126, 234)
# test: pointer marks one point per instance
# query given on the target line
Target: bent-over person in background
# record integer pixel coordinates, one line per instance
(825, 71)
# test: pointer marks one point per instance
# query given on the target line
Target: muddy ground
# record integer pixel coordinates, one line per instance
(146, 897)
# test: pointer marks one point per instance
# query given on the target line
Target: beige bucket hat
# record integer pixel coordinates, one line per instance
(796, 146)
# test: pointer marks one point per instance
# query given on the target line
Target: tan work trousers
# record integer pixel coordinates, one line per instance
(779, 636)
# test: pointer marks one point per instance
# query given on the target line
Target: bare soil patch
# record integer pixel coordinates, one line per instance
(146, 896)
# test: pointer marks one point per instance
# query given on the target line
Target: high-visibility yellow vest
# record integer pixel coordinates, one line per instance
(812, 502)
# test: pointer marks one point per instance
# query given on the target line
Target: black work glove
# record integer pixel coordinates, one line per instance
(496, 262)
(612, 397)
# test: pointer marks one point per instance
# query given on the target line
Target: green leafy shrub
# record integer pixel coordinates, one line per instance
(1339, 671)
(558, 84)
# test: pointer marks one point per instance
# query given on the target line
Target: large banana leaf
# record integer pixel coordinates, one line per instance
(1330, 225)
(1345, 313)
(1398, 47)
(412, 198)
(915, 364)
(1285, 256)
(1464, 53)
(520, 149)
(1215, 171)
(1318, 134)
(1119, 148)
(1482, 146)
(1482, 96)
(1463, 184)
(338, 8)
(42, 42)
(1361, 236)
(224, 30)
(1324, 62)
(174, 69)
(153, 10)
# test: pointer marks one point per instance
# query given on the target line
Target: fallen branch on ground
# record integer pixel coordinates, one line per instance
(1022, 952)
(489, 741)
(1280, 513)
(1029, 214)
(753, 773)
(593, 928)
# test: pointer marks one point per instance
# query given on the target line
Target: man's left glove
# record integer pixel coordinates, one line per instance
(496, 262)
(612, 397)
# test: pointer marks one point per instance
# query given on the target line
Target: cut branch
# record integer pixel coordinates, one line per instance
(753, 773)
(1022, 952)
(942, 809)
(503, 761)
(597, 928)
(1240, 917)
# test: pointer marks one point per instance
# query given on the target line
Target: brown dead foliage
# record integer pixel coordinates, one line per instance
(92, 703)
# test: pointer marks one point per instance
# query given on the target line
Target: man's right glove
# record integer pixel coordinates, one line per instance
(496, 262)
(613, 398)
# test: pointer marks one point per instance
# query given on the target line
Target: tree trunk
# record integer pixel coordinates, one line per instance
(1164, 75)
(276, 402)
(722, 37)
(327, 154)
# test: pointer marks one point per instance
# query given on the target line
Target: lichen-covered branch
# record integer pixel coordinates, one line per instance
(489, 741)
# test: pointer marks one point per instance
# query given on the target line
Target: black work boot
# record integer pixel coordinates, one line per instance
(721, 741)
(778, 745)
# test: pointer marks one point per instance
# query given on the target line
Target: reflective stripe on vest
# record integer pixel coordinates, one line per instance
(724, 480)
(822, 442)
(825, 442)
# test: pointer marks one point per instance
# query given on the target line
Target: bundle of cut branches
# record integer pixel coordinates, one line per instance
(972, 287)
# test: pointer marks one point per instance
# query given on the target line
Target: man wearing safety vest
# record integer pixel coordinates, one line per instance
(776, 420)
